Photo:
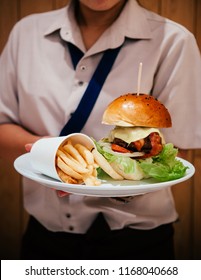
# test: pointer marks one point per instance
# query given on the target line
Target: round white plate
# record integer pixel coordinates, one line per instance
(108, 188)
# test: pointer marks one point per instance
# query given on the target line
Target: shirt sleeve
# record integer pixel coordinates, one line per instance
(8, 81)
(178, 86)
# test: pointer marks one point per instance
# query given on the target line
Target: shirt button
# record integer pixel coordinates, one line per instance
(68, 215)
(71, 228)
(80, 83)
(83, 67)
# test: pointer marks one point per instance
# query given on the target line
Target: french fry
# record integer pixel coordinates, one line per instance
(85, 153)
(67, 169)
(75, 154)
(76, 166)
(66, 178)
(91, 181)
(104, 164)
(90, 169)
(95, 173)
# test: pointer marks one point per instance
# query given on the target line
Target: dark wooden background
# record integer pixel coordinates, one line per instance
(187, 195)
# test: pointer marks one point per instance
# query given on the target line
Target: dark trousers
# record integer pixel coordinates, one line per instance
(98, 243)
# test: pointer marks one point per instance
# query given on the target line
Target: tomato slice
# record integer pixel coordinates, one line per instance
(117, 148)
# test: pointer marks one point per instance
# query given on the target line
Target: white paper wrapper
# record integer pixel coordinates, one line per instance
(43, 152)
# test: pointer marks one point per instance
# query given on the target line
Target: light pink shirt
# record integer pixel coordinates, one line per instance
(39, 89)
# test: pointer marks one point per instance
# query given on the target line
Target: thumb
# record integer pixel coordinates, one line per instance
(28, 147)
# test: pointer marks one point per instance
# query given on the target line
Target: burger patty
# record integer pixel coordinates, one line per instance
(145, 147)
(151, 145)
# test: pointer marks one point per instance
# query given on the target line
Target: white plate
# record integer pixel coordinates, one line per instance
(109, 188)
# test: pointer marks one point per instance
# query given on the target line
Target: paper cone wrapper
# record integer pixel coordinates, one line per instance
(43, 152)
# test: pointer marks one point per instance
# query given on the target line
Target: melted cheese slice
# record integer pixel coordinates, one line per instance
(131, 134)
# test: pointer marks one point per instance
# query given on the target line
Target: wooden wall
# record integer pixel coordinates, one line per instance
(187, 195)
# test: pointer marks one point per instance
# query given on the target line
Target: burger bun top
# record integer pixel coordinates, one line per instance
(134, 109)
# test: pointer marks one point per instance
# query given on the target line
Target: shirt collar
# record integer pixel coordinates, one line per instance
(132, 23)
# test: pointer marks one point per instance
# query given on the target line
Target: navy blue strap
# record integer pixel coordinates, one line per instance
(75, 53)
(80, 116)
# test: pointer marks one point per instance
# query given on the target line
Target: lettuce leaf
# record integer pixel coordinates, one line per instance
(163, 167)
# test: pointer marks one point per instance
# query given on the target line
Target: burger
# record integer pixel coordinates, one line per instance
(135, 147)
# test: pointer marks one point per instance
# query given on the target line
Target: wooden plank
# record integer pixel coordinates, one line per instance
(197, 207)
(183, 195)
(198, 23)
(10, 211)
(34, 6)
(8, 17)
(10, 187)
(183, 227)
(60, 3)
(181, 11)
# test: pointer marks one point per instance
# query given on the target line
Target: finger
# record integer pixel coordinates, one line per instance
(62, 193)
(28, 147)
